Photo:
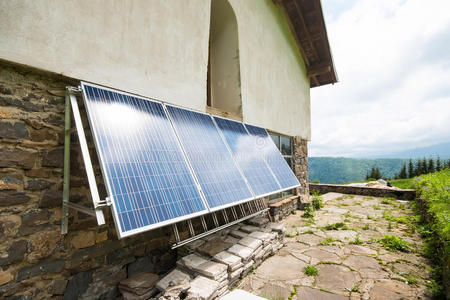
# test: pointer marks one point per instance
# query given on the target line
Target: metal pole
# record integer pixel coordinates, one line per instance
(66, 186)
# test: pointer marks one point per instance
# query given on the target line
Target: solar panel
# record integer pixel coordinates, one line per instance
(241, 143)
(220, 179)
(273, 157)
(147, 176)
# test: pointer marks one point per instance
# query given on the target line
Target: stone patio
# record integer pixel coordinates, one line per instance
(351, 263)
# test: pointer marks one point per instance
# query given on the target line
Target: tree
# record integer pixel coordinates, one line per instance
(421, 167)
(438, 164)
(403, 174)
(411, 173)
(367, 175)
(430, 167)
(377, 173)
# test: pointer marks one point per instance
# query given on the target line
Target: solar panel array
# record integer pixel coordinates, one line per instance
(163, 164)
(266, 147)
(219, 177)
(258, 174)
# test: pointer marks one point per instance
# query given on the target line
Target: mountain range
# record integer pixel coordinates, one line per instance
(442, 150)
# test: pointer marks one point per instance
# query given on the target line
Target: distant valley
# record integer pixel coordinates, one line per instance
(342, 169)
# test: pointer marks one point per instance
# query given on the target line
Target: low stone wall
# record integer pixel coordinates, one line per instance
(283, 208)
(364, 191)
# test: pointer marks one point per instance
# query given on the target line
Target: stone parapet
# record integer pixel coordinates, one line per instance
(363, 191)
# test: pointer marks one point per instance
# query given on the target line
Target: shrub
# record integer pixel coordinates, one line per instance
(308, 212)
(433, 200)
(394, 243)
(315, 181)
(317, 202)
(311, 270)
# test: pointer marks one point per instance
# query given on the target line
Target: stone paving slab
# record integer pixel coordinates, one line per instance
(251, 243)
(174, 278)
(243, 252)
(351, 263)
(203, 288)
(232, 261)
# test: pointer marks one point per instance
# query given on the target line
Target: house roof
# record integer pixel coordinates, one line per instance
(305, 18)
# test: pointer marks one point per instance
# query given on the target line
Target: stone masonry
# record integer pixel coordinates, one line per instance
(35, 261)
(300, 158)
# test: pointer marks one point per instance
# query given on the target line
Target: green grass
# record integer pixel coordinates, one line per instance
(394, 243)
(336, 226)
(317, 201)
(355, 288)
(308, 212)
(357, 241)
(411, 279)
(311, 270)
(328, 241)
(433, 199)
(403, 183)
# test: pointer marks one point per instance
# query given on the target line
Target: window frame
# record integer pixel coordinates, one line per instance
(289, 193)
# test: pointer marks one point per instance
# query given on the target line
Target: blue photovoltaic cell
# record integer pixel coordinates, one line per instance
(252, 164)
(273, 157)
(148, 178)
(220, 180)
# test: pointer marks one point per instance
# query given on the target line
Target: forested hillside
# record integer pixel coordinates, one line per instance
(341, 169)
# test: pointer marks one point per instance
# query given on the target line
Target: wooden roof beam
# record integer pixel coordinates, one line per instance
(305, 28)
(319, 69)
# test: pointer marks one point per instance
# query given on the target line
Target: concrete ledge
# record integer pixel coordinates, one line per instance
(364, 191)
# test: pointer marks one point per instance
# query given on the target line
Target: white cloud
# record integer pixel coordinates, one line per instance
(394, 89)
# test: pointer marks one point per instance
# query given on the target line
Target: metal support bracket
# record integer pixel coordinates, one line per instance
(71, 106)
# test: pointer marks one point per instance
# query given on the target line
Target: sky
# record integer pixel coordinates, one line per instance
(392, 58)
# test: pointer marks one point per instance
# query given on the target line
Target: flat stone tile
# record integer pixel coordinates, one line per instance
(176, 277)
(336, 278)
(238, 234)
(304, 292)
(213, 270)
(213, 247)
(249, 228)
(203, 288)
(250, 242)
(243, 252)
(227, 258)
(281, 268)
(191, 261)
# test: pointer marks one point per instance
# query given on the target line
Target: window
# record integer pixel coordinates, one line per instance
(285, 145)
(224, 80)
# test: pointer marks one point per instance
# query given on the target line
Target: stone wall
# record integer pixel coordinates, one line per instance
(300, 157)
(364, 191)
(35, 261)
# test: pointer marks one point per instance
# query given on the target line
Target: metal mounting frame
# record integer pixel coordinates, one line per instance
(71, 106)
(259, 208)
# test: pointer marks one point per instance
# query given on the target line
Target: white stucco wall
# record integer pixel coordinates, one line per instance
(159, 49)
(274, 85)
(154, 48)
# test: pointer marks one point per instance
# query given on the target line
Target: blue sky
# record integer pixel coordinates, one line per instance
(393, 62)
